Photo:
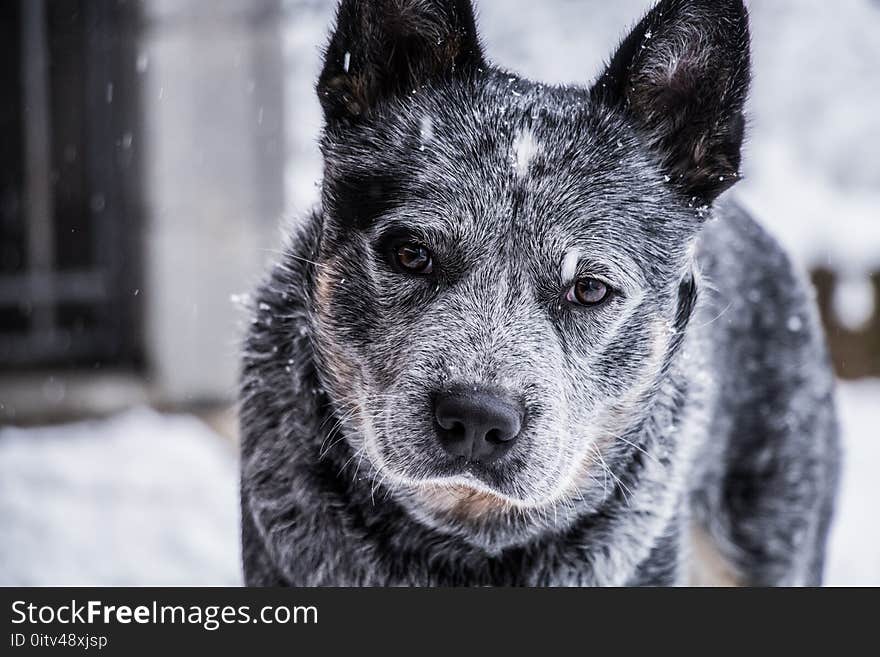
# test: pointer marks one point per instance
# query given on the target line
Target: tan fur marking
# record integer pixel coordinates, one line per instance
(463, 502)
(324, 285)
(708, 567)
(342, 372)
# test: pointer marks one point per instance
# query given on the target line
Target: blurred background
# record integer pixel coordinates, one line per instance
(152, 151)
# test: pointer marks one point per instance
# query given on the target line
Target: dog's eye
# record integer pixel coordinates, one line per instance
(588, 292)
(414, 258)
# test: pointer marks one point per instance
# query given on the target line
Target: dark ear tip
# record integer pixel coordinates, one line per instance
(738, 6)
(380, 49)
(734, 10)
(689, 59)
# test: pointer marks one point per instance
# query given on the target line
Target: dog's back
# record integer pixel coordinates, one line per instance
(770, 467)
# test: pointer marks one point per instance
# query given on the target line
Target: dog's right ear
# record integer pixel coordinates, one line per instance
(682, 77)
(387, 48)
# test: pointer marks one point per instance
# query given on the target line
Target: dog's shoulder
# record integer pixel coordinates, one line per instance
(762, 328)
(747, 272)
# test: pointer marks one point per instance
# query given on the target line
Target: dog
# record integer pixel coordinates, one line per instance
(522, 341)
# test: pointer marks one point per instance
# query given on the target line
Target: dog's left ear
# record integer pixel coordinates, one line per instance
(682, 77)
(382, 49)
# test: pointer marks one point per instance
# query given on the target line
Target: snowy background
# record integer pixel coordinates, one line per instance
(150, 498)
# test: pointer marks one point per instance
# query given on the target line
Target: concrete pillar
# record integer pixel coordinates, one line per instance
(214, 140)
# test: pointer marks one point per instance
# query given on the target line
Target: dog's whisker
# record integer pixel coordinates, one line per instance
(716, 318)
(623, 488)
(640, 449)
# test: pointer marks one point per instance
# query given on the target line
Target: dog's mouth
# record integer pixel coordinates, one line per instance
(460, 482)
(442, 471)
(464, 498)
(467, 473)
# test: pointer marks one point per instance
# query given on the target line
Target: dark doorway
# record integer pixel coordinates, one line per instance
(70, 184)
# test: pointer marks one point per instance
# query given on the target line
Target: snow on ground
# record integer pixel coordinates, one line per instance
(855, 535)
(147, 499)
(139, 499)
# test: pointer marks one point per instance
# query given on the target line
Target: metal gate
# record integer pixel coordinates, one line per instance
(70, 191)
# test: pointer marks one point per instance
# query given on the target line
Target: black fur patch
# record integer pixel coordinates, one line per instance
(687, 301)
(357, 199)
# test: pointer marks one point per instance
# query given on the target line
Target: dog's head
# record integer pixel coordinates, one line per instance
(505, 267)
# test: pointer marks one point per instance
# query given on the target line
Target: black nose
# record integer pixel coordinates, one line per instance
(476, 424)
